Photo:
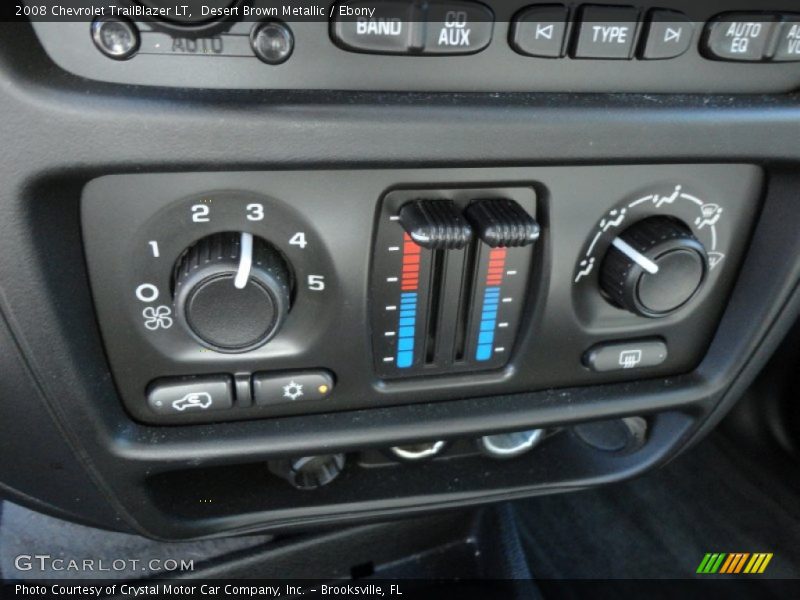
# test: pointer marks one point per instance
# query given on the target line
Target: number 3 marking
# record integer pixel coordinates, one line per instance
(255, 212)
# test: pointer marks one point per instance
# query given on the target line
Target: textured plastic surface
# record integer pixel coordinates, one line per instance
(55, 378)
(317, 63)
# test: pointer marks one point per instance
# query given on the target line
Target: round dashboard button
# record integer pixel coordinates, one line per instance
(115, 37)
(272, 42)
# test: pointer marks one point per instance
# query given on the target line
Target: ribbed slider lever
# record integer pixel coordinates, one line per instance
(435, 224)
(502, 223)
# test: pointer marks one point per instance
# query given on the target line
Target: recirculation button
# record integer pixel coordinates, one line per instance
(190, 396)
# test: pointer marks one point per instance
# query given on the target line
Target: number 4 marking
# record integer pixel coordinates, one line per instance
(299, 239)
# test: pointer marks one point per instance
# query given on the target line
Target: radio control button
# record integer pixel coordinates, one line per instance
(190, 396)
(115, 37)
(458, 27)
(668, 36)
(392, 27)
(788, 41)
(607, 32)
(540, 31)
(625, 355)
(739, 36)
(272, 42)
(283, 388)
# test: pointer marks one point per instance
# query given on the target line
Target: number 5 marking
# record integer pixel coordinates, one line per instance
(316, 283)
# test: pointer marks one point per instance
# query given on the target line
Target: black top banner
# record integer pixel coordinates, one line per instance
(197, 12)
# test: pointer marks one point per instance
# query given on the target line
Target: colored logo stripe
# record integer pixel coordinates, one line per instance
(409, 284)
(734, 563)
(759, 562)
(491, 302)
(711, 563)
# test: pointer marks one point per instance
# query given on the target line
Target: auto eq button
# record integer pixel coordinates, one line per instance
(392, 27)
(607, 32)
(739, 36)
(457, 27)
(190, 396)
(625, 355)
(282, 388)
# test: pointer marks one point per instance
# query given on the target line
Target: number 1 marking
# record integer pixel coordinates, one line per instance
(154, 246)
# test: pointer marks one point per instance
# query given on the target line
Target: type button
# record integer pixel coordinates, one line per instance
(607, 32)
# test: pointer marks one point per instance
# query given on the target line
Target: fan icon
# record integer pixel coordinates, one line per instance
(157, 317)
(292, 390)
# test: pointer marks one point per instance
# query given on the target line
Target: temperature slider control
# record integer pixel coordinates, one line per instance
(449, 280)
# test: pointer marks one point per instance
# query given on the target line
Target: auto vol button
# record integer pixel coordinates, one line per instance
(788, 41)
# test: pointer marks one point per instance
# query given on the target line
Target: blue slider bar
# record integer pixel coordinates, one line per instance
(405, 330)
(491, 299)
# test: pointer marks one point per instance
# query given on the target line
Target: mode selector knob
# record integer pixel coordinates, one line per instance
(232, 291)
(654, 267)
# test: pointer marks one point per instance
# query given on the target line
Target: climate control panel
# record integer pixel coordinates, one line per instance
(234, 296)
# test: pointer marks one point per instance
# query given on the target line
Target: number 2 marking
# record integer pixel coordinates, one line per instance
(200, 213)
